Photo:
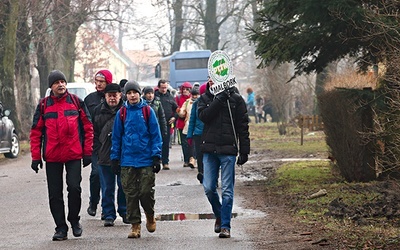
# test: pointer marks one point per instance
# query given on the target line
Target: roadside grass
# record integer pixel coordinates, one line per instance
(294, 182)
(265, 136)
(24, 148)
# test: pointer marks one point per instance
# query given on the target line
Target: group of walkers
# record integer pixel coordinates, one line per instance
(124, 132)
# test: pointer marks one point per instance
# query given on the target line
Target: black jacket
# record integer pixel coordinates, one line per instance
(168, 103)
(218, 134)
(103, 122)
(156, 105)
(94, 99)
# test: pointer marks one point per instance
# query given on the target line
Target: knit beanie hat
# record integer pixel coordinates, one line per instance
(148, 89)
(132, 85)
(106, 74)
(56, 75)
(195, 91)
(203, 88)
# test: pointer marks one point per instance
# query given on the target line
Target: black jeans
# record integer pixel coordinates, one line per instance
(165, 146)
(54, 174)
(199, 154)
(186, 149)
(94, 181)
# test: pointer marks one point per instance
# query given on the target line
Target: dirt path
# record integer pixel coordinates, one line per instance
(278, 229)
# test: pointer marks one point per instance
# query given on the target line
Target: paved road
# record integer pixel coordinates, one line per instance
(26, 222)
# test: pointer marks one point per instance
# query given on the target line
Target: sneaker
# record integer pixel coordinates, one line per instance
(103, 217)
(77, 230)
(185, 165)
(92, 209)
(124, 219)
(165, 167)
(192, 162)
(217, 225)
(60, 235)
(108, 222)
(225, 233)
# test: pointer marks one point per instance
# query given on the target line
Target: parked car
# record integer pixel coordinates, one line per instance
(9, 142)
(79, 89)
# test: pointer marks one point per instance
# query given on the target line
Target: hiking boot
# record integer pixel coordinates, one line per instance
(217, 225)
(60, 235)
(192, 162)
(77, 230)
(150, 223)
(124, 219)
(225, 233)
(109, 223)
(135, 231)
(165, 167)
(92, 209)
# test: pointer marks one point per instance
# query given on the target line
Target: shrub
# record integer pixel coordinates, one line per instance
(348, 118)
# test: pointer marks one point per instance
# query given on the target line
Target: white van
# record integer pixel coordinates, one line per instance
(80, 89)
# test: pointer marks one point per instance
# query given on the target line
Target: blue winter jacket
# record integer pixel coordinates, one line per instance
(134, 141)
(195, 124)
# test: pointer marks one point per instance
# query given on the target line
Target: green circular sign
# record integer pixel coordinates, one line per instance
(219, 66)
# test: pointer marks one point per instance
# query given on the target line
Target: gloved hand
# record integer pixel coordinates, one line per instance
(35, 165)
(156, 164)
(223, 96)
(87, 159)
(116, 168)
(242, 159)
(190, 141)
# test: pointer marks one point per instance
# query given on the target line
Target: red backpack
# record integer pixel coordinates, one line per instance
(145, 111)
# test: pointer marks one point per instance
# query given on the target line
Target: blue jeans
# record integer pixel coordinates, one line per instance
(212, 163)
(108, 180)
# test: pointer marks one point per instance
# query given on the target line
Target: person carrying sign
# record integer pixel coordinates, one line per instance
(225, 120)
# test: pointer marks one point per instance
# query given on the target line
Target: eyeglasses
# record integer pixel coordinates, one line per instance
(99, 81)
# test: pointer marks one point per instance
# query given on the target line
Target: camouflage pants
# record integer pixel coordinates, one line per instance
(138, 185)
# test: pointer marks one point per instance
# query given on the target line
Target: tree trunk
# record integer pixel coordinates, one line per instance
(8, 32)
(211, 27)
(179, 25)
(25, 105)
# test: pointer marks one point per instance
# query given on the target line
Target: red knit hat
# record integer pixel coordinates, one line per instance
(186, 85)
(203, 88)
(106, 74)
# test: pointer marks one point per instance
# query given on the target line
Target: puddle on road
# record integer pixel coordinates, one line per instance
(187, 216)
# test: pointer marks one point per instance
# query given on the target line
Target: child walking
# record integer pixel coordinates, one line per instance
(136, 154)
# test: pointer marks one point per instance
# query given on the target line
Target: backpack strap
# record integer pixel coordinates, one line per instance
(145, 111)
(43, 105)
(122, 113)
(75, 100)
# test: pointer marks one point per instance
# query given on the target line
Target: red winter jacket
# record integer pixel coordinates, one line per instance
(180, 100)
(58, 119)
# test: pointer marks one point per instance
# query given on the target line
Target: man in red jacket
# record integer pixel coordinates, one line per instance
(63, 131)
